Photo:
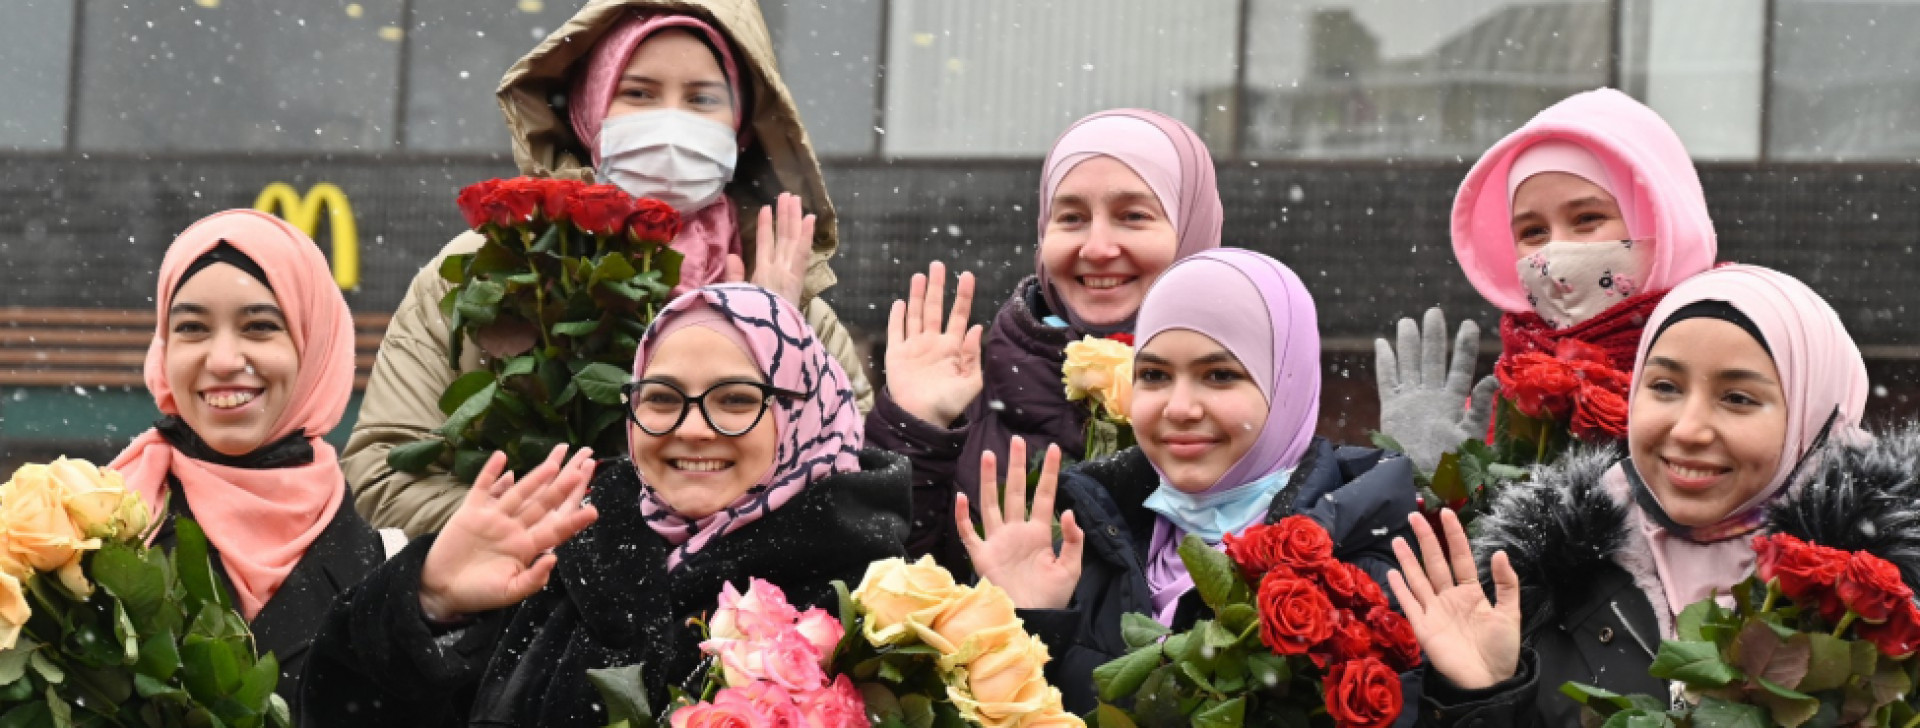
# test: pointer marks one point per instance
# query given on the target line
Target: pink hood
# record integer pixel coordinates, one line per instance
(1638, 148)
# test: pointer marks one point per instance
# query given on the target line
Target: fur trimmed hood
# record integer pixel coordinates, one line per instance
(1563, 524)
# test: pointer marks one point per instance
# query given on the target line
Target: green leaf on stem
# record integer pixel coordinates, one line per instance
(463, 389)
(1447, 481)
(624, 693)
(576, 328)
(467, 463)
(417, 456)
(1694, 663)
(13, 663)
(1225, 714)
(601, 382)
(473, 406)
(1107, 716)
(196, 570)
(159, 656)
(1789, 707)
(454, 267)
(1758, 652)
(1829, 662)
(1122, 677)
(1139, 630)
(480, 302)
(1214, 575)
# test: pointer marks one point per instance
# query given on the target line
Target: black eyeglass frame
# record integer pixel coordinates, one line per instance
(688, 401)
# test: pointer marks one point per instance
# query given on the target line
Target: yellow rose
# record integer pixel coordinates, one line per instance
(39, 530)
(13, 611)
(1007, 683)
(894, 591)
(978, 613)
(1102, 369)
(92, 495)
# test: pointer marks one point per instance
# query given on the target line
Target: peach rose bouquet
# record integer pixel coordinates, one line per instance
(909, 647)
(97, 628)
(1100, 373)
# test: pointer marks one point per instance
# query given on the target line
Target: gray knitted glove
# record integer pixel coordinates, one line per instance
(1423, 402)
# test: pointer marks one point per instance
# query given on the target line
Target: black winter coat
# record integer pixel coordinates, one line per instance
(1360, 497)
(1585, 578)
(1021, 395)
(610, 602)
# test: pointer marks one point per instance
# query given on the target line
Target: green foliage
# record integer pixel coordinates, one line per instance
(558, 314)
(156, 645)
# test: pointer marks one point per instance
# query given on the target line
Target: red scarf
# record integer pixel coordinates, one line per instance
(1615, 331)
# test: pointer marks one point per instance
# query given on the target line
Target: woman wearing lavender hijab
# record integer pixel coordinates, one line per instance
(1224, 408)
(1124, 194)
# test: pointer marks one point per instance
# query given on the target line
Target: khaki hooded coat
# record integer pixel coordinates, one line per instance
(402, 399)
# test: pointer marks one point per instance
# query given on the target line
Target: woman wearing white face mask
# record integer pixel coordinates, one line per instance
(676, 101)
(1575, 226)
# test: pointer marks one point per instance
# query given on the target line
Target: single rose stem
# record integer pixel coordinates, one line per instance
(539, 289)
(1773, 592)
(1845, 622)
(1540, 451)
(1913, 722)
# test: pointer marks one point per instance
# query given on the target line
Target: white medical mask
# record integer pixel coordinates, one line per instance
(670, 155)
(1569, 283)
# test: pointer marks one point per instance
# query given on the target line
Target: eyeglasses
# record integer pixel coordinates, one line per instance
(730, 408)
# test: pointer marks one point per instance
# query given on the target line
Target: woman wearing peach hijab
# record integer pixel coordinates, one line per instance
(251, 365)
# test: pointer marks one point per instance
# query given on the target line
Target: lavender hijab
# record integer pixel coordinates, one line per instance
(1166, 154)
(1260, 312)
(820, 435)
(1821, 373)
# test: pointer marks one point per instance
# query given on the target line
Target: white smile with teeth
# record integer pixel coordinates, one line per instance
(228, 400)
(1102, 281)
(1692, 474)
(700, 466)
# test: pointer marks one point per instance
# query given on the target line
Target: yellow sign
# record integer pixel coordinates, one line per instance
(280, 199)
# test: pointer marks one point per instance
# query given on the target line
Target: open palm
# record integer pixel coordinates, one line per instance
(781, 253)
(933, 372)
(1474, 643)
(496, 549)
(1017, 552)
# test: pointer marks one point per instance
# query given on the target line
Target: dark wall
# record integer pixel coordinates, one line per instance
(1371, 241)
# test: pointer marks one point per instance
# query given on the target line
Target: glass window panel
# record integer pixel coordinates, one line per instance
(458, 51)
(1004, 77)
(36, 49)
(1846, 81)
(1404, 78)
(1699, 64)
(829, 53)
(230, 75)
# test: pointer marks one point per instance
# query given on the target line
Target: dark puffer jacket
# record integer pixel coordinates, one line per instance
(1022, 395)
(1361, 497)
(610, 602)
(1585, 578)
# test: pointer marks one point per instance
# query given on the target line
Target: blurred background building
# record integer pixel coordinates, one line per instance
(1340, 129)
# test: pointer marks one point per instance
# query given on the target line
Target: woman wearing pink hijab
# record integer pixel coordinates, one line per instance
(1744, 418)
(251, 365)
(1124, 194)
(676, 100)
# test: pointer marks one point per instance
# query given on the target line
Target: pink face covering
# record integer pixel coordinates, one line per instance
(820, 434)
(261, 520)
(1821, 373)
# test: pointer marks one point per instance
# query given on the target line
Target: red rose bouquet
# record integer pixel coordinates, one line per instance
(1546, 403)
(1298, 638)
(557, 297)
(1817, 636)
(910, 647)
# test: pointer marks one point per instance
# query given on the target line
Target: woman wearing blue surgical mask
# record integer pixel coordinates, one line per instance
(676, 101)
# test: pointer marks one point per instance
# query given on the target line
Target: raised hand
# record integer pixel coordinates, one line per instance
(1423, 400)
(1017, 553)
(780, 254)
(497, 548)
(932, 372)
(1474, 643)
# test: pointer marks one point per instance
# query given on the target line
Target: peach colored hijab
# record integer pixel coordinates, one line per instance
(261, 520)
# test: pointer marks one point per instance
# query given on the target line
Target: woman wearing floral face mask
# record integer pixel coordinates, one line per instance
(1741, 375)
(1224, 408)
(678, 101)
(1574, 226)
(1124, 194)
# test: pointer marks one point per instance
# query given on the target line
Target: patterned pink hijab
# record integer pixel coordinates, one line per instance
(261, 520)
(1166, 154)
(1821, 372)
(819, 435)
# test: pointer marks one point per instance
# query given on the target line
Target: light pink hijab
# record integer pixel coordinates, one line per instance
(1821, 371)
(820, 434)
(261, 520)
(712, 233)
(1166, 154)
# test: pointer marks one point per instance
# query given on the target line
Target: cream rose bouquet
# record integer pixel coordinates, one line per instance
(1100, 373)
(910, 649)
(97, 629)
